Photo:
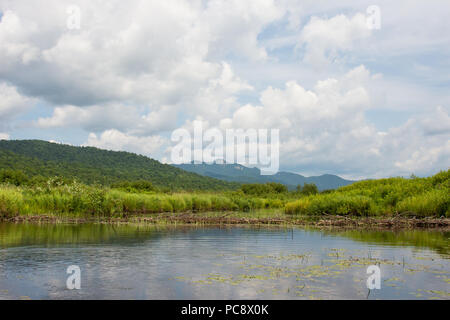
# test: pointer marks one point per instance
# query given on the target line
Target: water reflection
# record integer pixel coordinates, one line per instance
(153, 262)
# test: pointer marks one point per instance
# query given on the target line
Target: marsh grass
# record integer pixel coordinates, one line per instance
(422, 197)
(332, 204)
(80, 200)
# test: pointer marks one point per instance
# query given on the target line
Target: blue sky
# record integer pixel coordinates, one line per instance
(347, 99)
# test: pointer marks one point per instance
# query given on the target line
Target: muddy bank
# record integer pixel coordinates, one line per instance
(230, 219)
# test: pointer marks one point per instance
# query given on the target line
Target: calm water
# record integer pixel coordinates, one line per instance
(145, 262)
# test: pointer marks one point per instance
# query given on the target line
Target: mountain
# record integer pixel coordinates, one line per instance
(242, 174)
(91, 165)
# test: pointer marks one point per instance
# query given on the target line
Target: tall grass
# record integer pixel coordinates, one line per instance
(77, 199)
(416, 196)
(332, 204)
(419, 196)
(432, 203)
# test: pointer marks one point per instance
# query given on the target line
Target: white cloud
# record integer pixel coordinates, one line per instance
(118, 141)
(158, 52)
(325, 39)
(4, 136)
(216, 98)
(437, 123)
(12, 104)
(421, 145)
(326, 130)
(111, 116)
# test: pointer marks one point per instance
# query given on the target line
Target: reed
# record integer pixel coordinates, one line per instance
(422, 197)
(96, 201)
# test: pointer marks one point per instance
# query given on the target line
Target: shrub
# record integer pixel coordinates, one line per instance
(11, 203)
(432, 203)
(275, 203)
(333, 204)
(140, 186)
(298, 207)
(178, 203)
(222, 203)
(307, 189)
(200, 203)
(264, 189)
(14, 177)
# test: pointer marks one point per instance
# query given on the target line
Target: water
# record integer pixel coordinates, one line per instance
(148, 262)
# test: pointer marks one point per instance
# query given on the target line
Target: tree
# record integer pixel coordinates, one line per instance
(264, 189)
(308, 189)
(15, 177)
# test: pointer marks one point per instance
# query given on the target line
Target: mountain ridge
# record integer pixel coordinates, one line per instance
(242, 174)
(92, 165)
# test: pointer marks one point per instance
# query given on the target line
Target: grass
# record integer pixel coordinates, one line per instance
(331, 204)
(421, 197)
(77, 199)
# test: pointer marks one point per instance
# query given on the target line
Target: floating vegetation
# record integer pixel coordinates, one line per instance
(445, 279)
(300, 277)
(433, 294)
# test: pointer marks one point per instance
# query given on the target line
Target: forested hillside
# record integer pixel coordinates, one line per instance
(91, 165)
(239, 173)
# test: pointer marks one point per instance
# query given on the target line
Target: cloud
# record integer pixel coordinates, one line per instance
(415, 147)
(326, 130)
(155, 52)
(136, 120)
(325, 39)
(217, 97)
(438, 123)
(118, 141)
(322, 130)
(330, 100)
(12, 104)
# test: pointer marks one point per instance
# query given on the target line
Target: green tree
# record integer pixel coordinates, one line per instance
(308, 189)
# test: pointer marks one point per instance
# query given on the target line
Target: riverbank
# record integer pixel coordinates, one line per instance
(241, 218)
(414, 202)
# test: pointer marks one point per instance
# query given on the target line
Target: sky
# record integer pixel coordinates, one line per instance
(357, 99)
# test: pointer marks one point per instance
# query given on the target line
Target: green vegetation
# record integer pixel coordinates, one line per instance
(40, 160)
(76, 199)
(140, 186)
(38, 178)
(307, 189)
(264, 189)
(421, 197)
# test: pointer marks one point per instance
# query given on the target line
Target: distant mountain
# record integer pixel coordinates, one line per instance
(239, 173)
(92, 165)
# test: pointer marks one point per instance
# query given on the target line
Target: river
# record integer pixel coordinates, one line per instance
(182, 262)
